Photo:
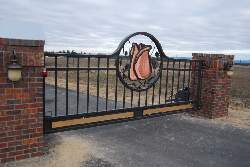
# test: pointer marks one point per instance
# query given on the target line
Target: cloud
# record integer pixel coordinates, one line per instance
(214, 25)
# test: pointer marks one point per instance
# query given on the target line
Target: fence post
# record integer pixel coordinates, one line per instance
(21, 102)
(215, 85)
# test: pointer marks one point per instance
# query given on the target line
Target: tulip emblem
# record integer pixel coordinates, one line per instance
(140, 62)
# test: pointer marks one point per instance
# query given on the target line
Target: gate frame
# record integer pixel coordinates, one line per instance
(137, 111)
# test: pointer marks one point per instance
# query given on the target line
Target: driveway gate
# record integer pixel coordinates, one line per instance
(136, 81)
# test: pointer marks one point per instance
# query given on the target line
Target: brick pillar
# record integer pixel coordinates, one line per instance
(216, 84)
(21, 103)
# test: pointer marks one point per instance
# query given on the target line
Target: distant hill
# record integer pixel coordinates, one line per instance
(242, 62)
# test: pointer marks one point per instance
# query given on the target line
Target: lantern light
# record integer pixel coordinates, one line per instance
(14, 69)
(230, 73)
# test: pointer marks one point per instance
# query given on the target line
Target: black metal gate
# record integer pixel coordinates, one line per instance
(136, 81)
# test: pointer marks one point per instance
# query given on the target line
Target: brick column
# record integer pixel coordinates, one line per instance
(21, 103)
(216, 85)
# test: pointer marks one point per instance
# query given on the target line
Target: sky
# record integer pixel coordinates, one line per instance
(181, 26)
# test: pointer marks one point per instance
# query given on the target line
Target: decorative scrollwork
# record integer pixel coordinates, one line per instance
(139, 65)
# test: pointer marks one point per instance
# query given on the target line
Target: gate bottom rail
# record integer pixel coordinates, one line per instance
(62, 123)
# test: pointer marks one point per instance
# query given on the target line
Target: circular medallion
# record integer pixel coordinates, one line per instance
(139, 63)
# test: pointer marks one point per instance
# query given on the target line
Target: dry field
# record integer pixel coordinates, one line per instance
(241, 86)
(239, 113)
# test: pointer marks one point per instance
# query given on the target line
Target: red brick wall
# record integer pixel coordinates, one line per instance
(21, 103)
(216, 85)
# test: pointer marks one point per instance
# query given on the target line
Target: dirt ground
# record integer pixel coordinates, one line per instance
(238, 117)
(64, 151)
(240, 91)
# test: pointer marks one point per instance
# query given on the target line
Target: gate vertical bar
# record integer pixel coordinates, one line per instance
(179, 73)
(107, 84)
(172, 89)
(116, 84)
(131, 100)
(124, 93)
(88, 86)
(55, 85)
(160, 89)
(193, 82)
(153, 96)
(98, 77)
(184, 74)
(123, 96)
(77, 110)
(189, 77)
(166, 91)
(67, 85)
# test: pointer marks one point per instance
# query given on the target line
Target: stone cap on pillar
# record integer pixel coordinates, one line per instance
(21, 42)
(29, 52)
(215, 61)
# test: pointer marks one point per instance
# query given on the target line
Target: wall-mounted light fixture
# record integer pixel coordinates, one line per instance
(228, 68)
(14, 69)
(230, 73)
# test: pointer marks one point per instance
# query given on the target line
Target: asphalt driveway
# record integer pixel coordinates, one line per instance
(72, 102)
(168, 141)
